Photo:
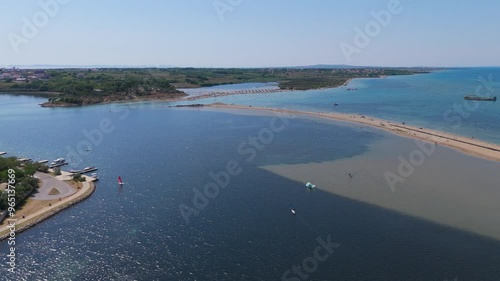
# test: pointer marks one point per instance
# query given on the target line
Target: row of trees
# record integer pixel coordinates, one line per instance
(25, 183)
(78, 88)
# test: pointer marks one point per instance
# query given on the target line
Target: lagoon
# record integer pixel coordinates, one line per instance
(246, 232)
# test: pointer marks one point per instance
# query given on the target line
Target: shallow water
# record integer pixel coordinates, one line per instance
(246, 232)
(433, 100)
(423, 180)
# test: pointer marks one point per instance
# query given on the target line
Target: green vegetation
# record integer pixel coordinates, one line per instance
(57, 171)
(80, 87)
(74, 87)
(78, 178)
(25, 183)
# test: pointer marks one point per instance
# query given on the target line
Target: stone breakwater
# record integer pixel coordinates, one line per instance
(240, 92)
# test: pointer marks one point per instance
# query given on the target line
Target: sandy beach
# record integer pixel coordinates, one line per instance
(469, 146)
(458, 190)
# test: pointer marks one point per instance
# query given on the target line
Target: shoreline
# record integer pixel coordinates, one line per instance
(174, 98)
(473, 147)
(39, 216)
(178, 97)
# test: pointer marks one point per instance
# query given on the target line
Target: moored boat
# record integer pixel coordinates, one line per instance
(474, 97)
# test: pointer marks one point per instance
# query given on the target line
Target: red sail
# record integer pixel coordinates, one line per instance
(119, 179)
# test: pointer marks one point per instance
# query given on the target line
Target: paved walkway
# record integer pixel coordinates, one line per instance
(41, 212)
(48, 183)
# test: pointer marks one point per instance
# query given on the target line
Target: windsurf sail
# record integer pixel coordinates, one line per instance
(120, 180)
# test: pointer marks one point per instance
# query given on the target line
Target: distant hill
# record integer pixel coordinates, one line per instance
(344, 66)
(330, 66)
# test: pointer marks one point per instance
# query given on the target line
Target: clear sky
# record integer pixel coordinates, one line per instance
(250, 33)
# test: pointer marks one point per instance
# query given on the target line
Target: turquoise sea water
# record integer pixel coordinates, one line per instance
(246, 232)
(428, 100)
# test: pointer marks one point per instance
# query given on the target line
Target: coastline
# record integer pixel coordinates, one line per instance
(447, 191)
(41, 215)
(172, 98)
(465, 145)
(181, 96)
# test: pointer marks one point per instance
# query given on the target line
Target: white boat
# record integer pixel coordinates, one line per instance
(89, 169)
(293, 211)
(95, 176)
(59, 160)
(310, 186)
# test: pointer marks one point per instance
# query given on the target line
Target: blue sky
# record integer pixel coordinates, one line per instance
(251, 33)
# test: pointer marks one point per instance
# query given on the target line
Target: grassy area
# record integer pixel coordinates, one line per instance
(70, 87)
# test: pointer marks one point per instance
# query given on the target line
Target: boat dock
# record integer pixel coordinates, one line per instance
(24, 159)
(43, 161)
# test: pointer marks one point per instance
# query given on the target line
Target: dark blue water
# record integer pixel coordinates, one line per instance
(245, 233)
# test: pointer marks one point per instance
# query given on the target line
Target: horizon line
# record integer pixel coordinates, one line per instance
(76, 66)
